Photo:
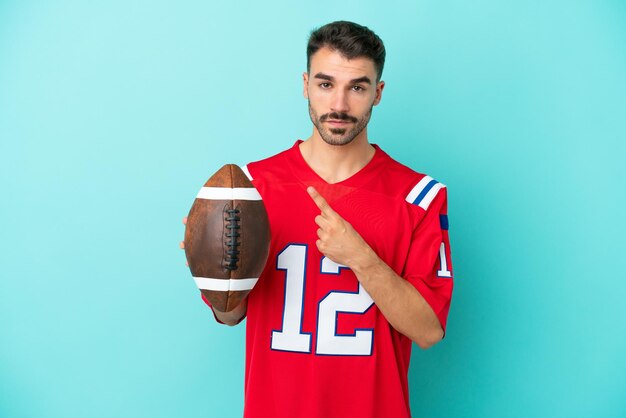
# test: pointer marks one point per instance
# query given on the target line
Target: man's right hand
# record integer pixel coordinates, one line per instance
(182, 243)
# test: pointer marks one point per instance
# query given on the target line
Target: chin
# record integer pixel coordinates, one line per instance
(337, 141)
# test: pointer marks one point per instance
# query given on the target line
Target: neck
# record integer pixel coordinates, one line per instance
(335, 163)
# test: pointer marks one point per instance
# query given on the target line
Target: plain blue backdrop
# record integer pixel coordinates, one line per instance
(113, 114)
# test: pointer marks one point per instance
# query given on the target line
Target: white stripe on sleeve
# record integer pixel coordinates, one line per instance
(426, 201)
(417, 189)
(246, 172)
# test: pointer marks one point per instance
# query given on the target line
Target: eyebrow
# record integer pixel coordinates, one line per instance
(363, 79)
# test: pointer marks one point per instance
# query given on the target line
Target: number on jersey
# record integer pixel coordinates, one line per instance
(293, 259)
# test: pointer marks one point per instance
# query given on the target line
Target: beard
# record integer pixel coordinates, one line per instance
(339, 136)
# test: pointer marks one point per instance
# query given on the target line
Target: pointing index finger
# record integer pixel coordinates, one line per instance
(319, 200)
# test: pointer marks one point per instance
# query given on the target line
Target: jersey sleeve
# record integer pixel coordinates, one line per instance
(428, 266)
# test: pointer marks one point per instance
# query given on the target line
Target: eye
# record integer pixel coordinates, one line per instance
(358, 88)
(325, 85)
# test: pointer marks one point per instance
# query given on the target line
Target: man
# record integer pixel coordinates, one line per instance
(359, 261)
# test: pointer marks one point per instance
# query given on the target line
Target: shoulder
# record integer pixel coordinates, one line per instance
(415, 188)
(425, 191)
(273, 166)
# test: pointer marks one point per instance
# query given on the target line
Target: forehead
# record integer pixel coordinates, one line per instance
(333, 63)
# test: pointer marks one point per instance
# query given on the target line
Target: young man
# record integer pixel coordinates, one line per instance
(359, 261)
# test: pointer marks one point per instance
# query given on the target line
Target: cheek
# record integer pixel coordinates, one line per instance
(315, 95)
(317, 101)
(364, 104)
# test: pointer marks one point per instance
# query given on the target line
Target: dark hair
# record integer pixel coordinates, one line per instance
(351, 40)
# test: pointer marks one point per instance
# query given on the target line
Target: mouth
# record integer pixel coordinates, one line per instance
(336, 122)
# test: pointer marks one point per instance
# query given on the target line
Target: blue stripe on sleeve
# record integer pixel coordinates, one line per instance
(420, 196)
(443, 220)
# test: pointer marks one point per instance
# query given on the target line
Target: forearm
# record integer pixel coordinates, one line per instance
(233, 317)
(401, 304)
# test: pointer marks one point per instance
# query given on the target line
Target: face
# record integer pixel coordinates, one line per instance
(341, 95)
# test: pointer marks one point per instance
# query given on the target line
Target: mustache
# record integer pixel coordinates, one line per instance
(338, 116)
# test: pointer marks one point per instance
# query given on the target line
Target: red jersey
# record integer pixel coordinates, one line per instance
(316, 344)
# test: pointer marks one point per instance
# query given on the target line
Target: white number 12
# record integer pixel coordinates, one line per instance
(292, 338)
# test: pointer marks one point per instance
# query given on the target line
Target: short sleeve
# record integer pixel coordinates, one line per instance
(428, 265)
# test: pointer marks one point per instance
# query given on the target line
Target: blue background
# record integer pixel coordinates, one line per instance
(113, 114)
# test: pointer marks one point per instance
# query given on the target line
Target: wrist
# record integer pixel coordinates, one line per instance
(366, 262)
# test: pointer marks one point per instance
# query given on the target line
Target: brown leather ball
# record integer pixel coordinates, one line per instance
(227, 238)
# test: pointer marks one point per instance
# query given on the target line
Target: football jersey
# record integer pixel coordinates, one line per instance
(316, 344)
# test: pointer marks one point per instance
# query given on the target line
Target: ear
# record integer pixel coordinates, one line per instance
(379, 92)
(305, 81)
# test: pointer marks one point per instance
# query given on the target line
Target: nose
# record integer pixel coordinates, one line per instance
(339, 101)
